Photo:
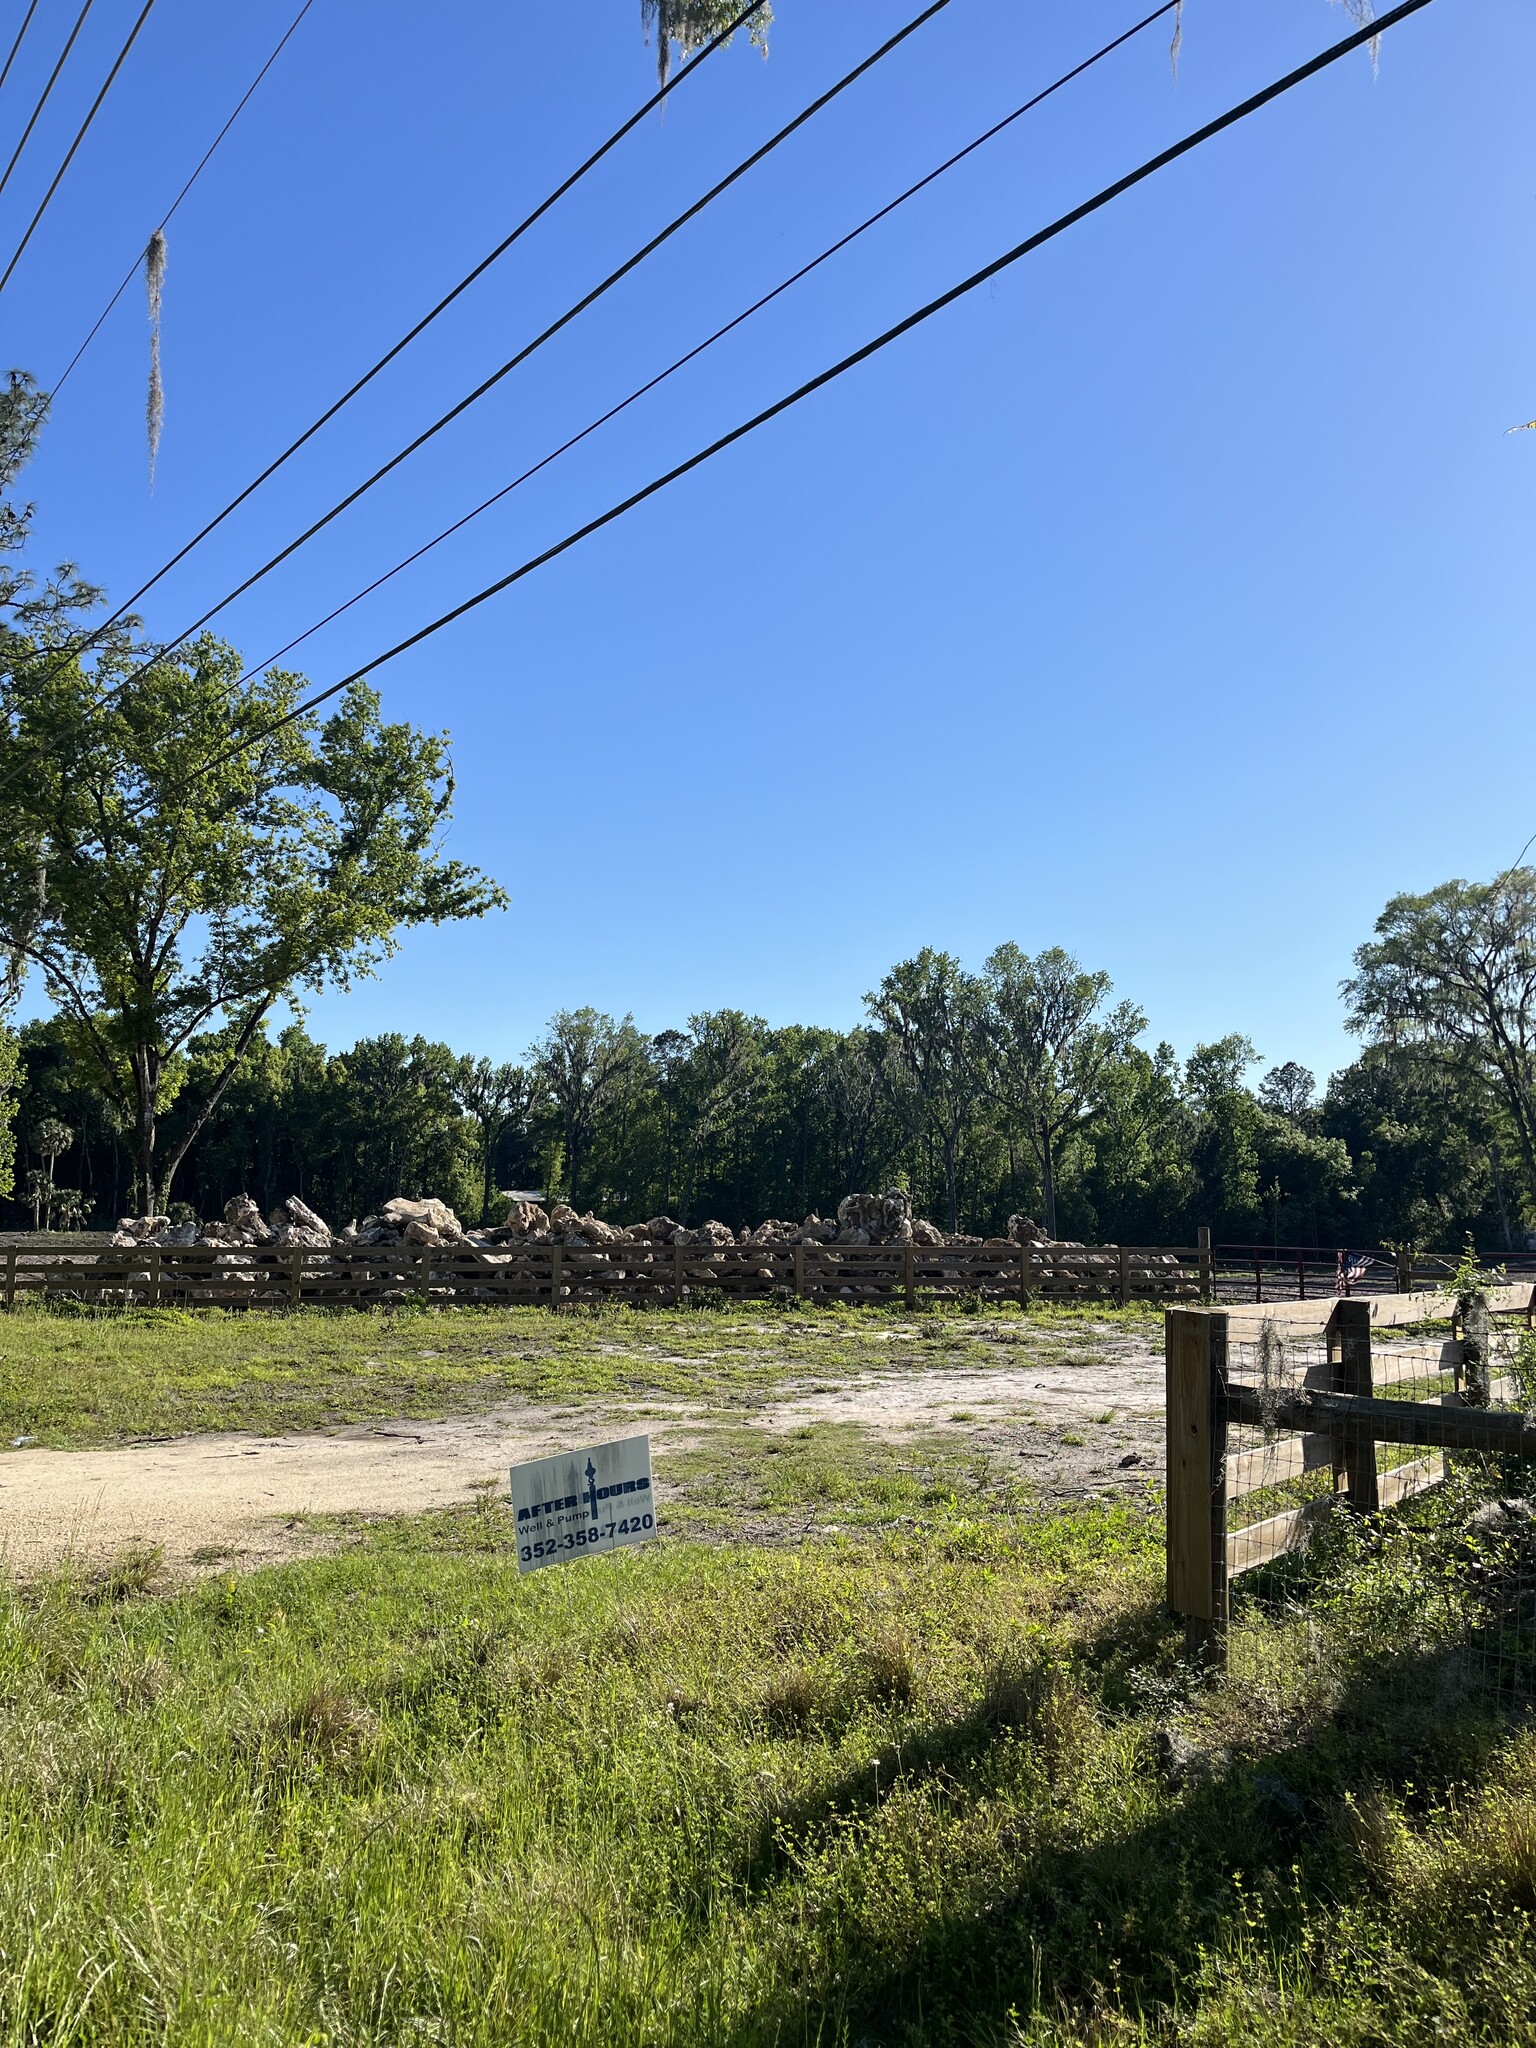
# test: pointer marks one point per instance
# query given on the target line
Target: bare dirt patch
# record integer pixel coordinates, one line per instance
(1072, 1421)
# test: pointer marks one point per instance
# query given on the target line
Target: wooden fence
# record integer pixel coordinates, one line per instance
(628, 1272)
(1330, 1416)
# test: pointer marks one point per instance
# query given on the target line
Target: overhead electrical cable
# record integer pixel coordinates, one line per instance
(80, 135)
(53, 76)
(26, 23)
(82, 645)
(488, 384)
(137, 264)
(1103, 198)
(681, 362)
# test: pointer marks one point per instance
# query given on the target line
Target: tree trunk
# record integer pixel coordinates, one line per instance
(1048, 1178)
(145, 1131)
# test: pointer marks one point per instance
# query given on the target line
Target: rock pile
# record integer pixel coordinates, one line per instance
(599, 1256)
(291, 1222)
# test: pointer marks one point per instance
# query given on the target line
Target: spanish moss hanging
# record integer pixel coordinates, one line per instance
(693, 23)
(154, 284)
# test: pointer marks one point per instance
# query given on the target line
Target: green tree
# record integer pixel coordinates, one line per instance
(181, 857)
(1424, 1139)
(48, 1139)
(1140, 1176)
(1452, 974)
(10, 1073)
(583, 1062)
(401, 1126)
(1048, 1048)
(497, 1099)
(929, 1012)
(1228, 1120)
(716, 1080)
(1289, 1091)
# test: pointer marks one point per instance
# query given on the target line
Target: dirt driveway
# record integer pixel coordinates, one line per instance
(1068, 1429)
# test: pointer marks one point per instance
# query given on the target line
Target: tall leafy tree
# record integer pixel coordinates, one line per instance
(166, 881)
(498, 1100)
(716, 1078)
(1228, 1123)
(1049, 1048)
(583, 1062)
(929, 1012)
(1451, 975)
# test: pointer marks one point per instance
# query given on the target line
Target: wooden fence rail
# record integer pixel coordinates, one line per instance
(630, 1272)
(1334, 1418)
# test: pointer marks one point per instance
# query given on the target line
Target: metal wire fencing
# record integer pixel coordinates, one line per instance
(1395, 1563)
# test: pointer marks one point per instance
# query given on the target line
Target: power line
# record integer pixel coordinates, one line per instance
(26, 23)
(81, 646)
(681, 362)
(977, 278)
(133, 269)
(47, 89)
(522, 355)
(80, 135)
(74, 649)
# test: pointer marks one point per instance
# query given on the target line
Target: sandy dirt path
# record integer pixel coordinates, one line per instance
(238, 1499)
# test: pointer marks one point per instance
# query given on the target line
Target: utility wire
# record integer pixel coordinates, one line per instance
(80, 646)
(26, 23)
(681, 362)
(522, 355)
(80, 135)
(48, 88)
(133, 269)
(977, 278)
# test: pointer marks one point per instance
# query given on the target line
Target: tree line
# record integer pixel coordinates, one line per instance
(1021, 1087)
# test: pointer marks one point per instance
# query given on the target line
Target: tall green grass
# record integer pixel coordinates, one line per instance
(883, 1791)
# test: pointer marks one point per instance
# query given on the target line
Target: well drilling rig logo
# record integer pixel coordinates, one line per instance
(590, 1496)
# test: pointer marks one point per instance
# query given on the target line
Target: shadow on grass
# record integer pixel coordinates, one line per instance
(1054, 1938)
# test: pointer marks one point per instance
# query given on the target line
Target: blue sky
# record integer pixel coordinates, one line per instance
(1169, 600)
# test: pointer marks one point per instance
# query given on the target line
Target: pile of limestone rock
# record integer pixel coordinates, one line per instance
(608, 1253)
(861, 1219)
(291, 1223)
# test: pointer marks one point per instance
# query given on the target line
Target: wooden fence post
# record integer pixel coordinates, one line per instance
(152, 1292)
(677, 1276)
(554, 1276)
(1125, 1275)
(1026, 1264)
(909, 1273)
(1207, 1263)
(296, 1278)
(1348, 1337)
(1404, 1272)
(800, 1270)
(1195, 1343)
(10, 1276)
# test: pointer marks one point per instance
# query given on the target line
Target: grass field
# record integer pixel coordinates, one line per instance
(925, 1765)
(92, 1378)
(939, 1787)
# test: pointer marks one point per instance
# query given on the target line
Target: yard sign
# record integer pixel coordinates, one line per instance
(579, 1502)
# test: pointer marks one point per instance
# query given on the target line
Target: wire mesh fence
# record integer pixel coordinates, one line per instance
(1356, 1565)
